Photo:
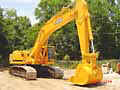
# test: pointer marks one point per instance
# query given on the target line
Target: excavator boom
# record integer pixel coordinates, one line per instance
(60, 19)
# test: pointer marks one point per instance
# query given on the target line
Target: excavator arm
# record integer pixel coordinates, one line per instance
(87, 72)
(85, 33)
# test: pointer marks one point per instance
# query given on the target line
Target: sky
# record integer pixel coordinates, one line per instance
(23, 7)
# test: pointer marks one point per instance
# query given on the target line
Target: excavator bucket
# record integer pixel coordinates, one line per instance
(86, 74)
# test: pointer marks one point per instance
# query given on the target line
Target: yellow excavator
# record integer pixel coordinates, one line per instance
(32, 63)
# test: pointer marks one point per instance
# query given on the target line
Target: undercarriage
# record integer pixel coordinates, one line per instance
(32, 72)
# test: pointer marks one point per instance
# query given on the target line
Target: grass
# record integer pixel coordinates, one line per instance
(70, 64)
(67, 64)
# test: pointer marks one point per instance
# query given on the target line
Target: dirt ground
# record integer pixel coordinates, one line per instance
(8, 82)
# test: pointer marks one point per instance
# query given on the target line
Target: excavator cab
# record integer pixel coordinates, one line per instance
(51, 53)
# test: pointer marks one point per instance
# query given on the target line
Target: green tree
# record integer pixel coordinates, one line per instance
(31, 35)
(105, 16)
(13, 32)
(16, 27)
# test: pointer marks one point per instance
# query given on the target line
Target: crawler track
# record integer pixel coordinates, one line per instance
(26, 72)
(32, 72)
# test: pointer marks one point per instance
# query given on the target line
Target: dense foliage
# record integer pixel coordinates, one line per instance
(13, 32)
(105, 16)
